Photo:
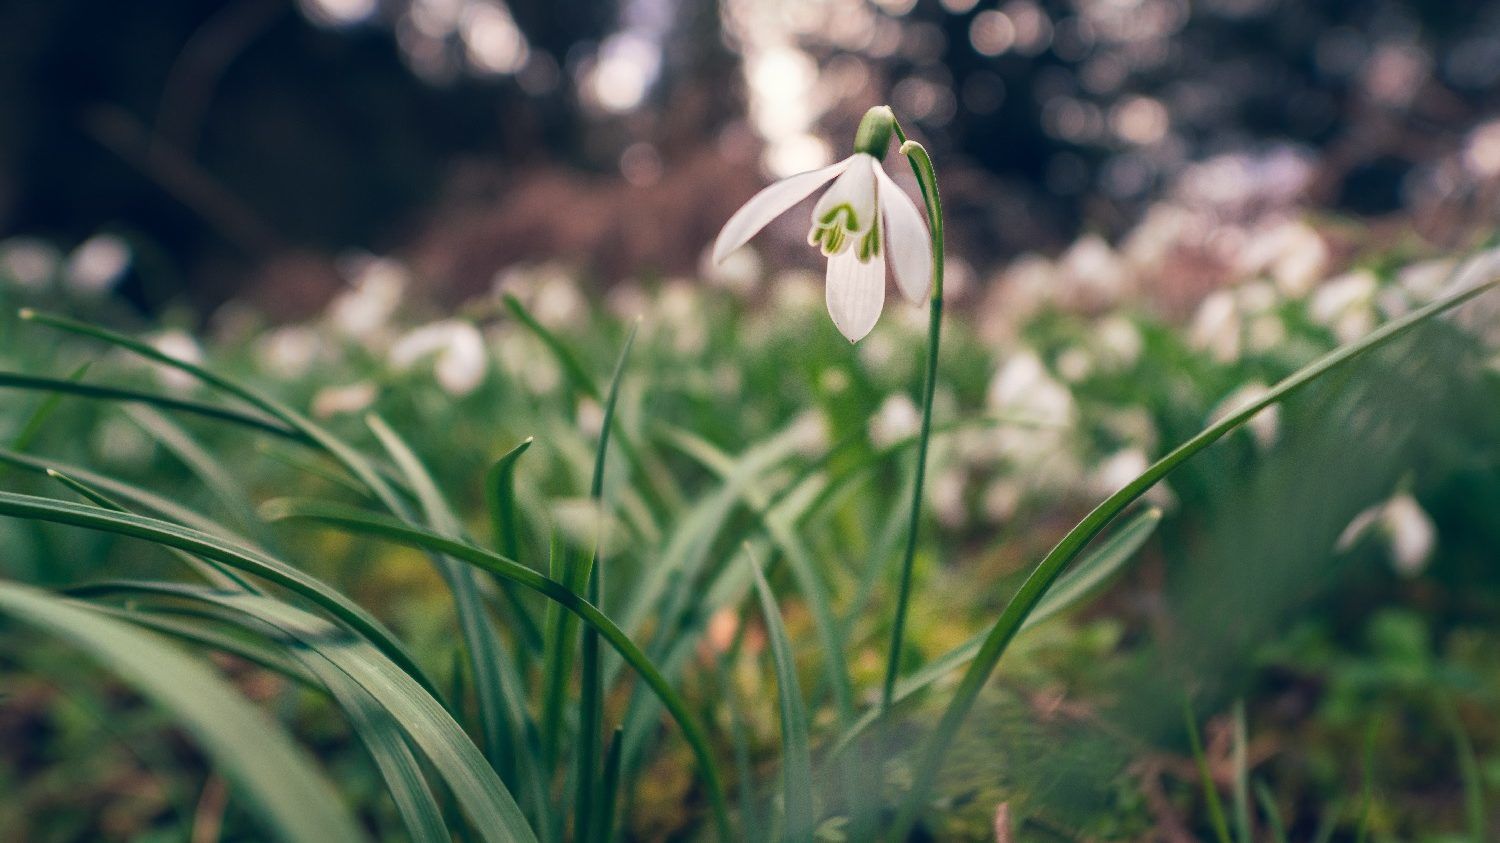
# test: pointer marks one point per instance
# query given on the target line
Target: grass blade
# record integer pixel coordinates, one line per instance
(1080, 583)
(283, 788)
(1052, 565)
(56, 386)
(220, 550)
(1205, 778)
(1242, 828)
(356, 521)
(796, 755)
(591, 693)
(500, 500)
(1268, 806)
(421, 716)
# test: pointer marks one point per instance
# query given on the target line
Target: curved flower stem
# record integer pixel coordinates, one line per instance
(921, 164)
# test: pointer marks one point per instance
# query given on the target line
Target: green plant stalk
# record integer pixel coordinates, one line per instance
(1205, 778)
(1056, 560)
(561, 595)
(921, 164)
(591, 694)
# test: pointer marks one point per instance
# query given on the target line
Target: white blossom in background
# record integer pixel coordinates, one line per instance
(178, 345)
(289, 352)
(97, 264)
(947, 497)
(524, 358)
(897, 418)
(1025, 388)
(1216, 326)
(1346, 305)
(364, 311)
(1075, 364)
(680, 309)
(341, 400)
(590, 416)
(1091, 271)
(861, 219)
(810, 433)
(1120, 468)
(1401, 522)
(1118, 341)
(1265, 425)
(739, 273)
(28, 263)
(460, 359)
(1291, 252)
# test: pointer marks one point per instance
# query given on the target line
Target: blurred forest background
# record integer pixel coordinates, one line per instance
(241, 147)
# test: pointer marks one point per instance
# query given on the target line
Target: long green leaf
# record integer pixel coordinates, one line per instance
(57, 386)
(1053, 564)
(591, 691)
(796, 755)
(277, 780)
(1072, 589)
(419, 714)
(356, 521)
(500, 500)
(220, 550)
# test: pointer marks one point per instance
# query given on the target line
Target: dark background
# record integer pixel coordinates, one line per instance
(241, 147)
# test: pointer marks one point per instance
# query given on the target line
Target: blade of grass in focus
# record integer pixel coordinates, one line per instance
(562, 595)
(276, 779)
(422, 717)
(219, 550)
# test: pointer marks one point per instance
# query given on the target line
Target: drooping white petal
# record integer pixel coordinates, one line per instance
(856, 293)
(769, 204)
(854, 189)
(906, 240)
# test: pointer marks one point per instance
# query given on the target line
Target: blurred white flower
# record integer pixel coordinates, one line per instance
(1119, 341)
(1265, 425)
(1403, 524)
(97, 264)
(338, 400)
(859, 218)
(1002, 499)
(897, 418)
(361, 313)
(524, 358)
(1090, 270)
(810, 433)
(289, 352)
(178, 345)
(1075, 364)
(739, 272)
(557, 302)
(1119, 468)
(590, 417)
(947, 497)
(1024, 385)
(1292, 252)
(461, 360)
(1216, 326)
(27, 262)
(1346, 305)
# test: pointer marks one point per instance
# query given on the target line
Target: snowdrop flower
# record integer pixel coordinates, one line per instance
(1405, 526)
(178, 345)
(337, 400)
(858, 221)
(461, 360)
(897, 419)
(96, 265)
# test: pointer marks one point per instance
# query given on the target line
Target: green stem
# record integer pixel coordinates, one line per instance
(921, 164)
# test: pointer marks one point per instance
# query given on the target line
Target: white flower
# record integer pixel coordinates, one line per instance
(461, 360)
(337, 400)
(861, 214)
(178, 345)
(1405, 526)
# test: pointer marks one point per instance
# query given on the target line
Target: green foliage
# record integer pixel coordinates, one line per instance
(735, 431)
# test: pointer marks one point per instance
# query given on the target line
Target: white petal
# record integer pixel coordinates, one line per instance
(856, 188)
(856, 293)
(906, 239)
(769, 204)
